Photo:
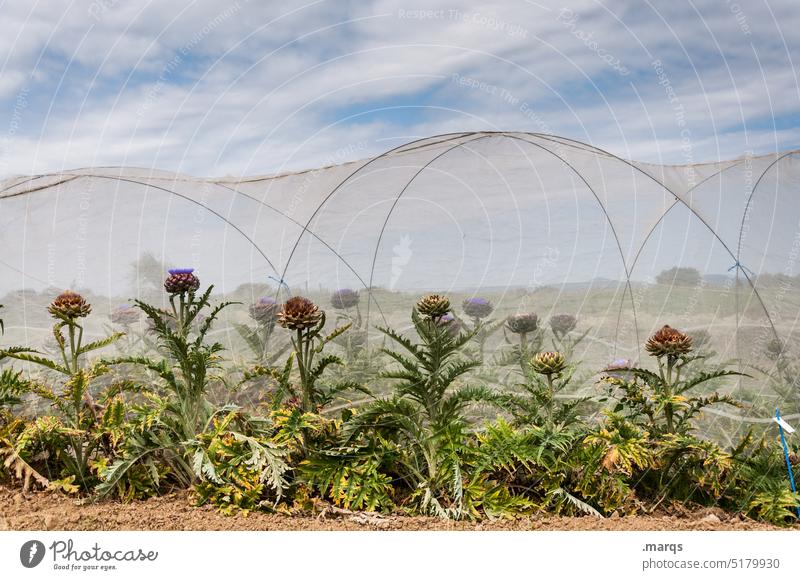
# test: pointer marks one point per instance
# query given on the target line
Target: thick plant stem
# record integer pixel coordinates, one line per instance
(523, 351)
(668, 409)
(74, 347)
(480, 335)
(303, 344)
(175, 313)
(300, 351)
(670, 421)
(550, 397)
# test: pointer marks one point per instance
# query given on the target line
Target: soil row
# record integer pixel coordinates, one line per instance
(53, 511)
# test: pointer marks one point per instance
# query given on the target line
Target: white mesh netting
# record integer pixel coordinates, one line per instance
(531, 222)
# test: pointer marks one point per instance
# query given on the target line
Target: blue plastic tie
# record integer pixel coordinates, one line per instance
(786, 456)
(739, 265)
(280, 282)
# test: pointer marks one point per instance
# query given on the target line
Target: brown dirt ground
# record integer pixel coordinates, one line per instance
(51, 511)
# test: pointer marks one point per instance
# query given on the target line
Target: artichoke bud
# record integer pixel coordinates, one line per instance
(433, 306)
(668, 342)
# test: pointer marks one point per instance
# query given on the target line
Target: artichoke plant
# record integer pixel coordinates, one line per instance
(69, 306)
(300, 314)
(265, 311)
(549, 363)
(614, 369)
(775, 348)
(344, 299)
(669, 342)
(564, 339)
(259, 338)
(181, 281)
(477, 308)
(125, 315)
(427, 412)
(186, 370)
(433, 306)
(307, 321)
(453, 324)
(80, 420)
(563, 324)
(664, 397)
(523, 324)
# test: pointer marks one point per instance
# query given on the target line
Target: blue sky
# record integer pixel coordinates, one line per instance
(242, 88)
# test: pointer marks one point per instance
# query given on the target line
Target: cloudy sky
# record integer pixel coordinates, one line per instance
(239, 88)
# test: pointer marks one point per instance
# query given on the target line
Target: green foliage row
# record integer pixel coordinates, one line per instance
(138, 425)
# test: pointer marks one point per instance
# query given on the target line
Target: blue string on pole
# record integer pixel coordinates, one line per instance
(739, 266)
(280, 282)
(781, 423)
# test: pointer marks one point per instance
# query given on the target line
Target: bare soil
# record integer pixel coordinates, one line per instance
(53, 511)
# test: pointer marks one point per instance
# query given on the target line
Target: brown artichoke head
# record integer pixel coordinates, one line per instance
(344, 298)
(522, 323)
(181, 281)
(299, 313)
(668, 342)
(433, 306)
(69, 306)
(549, 363)
(562, 324)
(125, 315)
(775, 348)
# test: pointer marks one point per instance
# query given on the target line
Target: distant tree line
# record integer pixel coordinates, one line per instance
(679, 277)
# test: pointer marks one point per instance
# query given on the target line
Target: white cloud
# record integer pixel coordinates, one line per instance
(258, 88)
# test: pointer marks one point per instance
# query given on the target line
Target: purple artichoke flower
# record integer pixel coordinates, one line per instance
(477, 307)
(181, 281)
(618, 365)
(265, 311)
(452, 324)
